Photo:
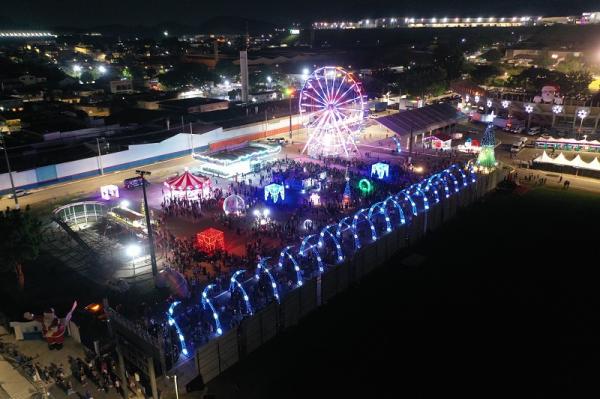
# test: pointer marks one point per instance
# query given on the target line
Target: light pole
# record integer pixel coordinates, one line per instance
(290, 92)
(99, 156)
(529, 110)
(174, 376)
(133, 250)
(582, 113)
(143, 173)
(556, 109)
(12, 182)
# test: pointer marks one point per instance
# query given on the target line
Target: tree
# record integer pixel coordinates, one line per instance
(481, 74)
(20, 237)
(227, 69)
(86, 77)
(492, 55)
(578, 82)
(570, 64)
(423, 80)
(449, 58)
(187, 75)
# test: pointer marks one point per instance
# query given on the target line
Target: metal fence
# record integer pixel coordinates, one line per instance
(223, 352)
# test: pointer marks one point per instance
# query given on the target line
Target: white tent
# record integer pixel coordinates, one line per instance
(544, 158)
(561, 160)
(576, 162)
(595, 164)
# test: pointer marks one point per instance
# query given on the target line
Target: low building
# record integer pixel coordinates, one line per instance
(194, 105)
(10, 104)
(264, 96)
(121, 86)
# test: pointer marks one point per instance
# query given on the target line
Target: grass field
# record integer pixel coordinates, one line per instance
(506, 302)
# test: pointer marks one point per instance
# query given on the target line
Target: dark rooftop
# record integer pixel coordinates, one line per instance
(421, 119)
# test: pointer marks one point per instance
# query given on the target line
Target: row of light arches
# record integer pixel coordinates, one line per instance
(350, 233)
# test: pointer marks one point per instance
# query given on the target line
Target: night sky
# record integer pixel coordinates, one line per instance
(89, 13)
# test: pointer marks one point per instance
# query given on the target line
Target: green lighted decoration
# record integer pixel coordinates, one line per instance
(365, 186)
(487, 158)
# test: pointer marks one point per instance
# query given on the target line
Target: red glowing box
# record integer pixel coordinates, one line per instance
(210, 240)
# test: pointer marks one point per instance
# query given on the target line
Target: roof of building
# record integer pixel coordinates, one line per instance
(190, 102)
(421, 120)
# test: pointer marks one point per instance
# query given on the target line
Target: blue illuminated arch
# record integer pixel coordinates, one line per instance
(344, 225)
(428, 187)
(406, 196)
(455, 167)
(325, 232)
(207, 302)
(447, 174)
(436, 179)
(172, 322)
(308, 246)
(379, 208)
(357, 216)
(235, 284)
(472, 173)
(261, 268)
(286, 253)
(420, 192)
(398, 208)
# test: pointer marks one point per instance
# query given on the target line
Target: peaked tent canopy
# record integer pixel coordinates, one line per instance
(187, 181)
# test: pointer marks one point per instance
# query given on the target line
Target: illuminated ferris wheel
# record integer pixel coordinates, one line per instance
(332, 109)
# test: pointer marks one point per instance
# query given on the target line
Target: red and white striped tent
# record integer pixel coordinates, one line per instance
(188, 183)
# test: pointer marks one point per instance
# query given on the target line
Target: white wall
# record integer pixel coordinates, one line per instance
(20, 178)
(177, 143)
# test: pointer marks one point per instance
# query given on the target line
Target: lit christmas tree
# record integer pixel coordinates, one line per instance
(486, 158)
(346, 199)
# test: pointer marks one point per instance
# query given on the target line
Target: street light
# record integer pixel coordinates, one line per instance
(12, 182)
(290, 92)
(529, 110)
(305, 73)
(142, 174)
(102, 69)
(582, 114)
(556, 109)
(505, 104)
(133, 251)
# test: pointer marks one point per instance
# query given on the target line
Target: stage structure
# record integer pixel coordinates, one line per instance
(332, 109)
(230, 162)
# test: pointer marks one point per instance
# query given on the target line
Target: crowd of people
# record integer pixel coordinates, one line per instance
(264, 236)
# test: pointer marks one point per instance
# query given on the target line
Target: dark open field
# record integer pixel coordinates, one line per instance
(506, 301)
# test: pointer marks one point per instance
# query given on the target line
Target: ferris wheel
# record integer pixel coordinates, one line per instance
(332, 109)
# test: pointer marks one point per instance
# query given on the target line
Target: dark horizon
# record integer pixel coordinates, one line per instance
(79, 14)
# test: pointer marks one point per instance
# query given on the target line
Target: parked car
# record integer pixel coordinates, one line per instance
(534, 130)
(276, 140)
(18, 192)
(133, 182)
